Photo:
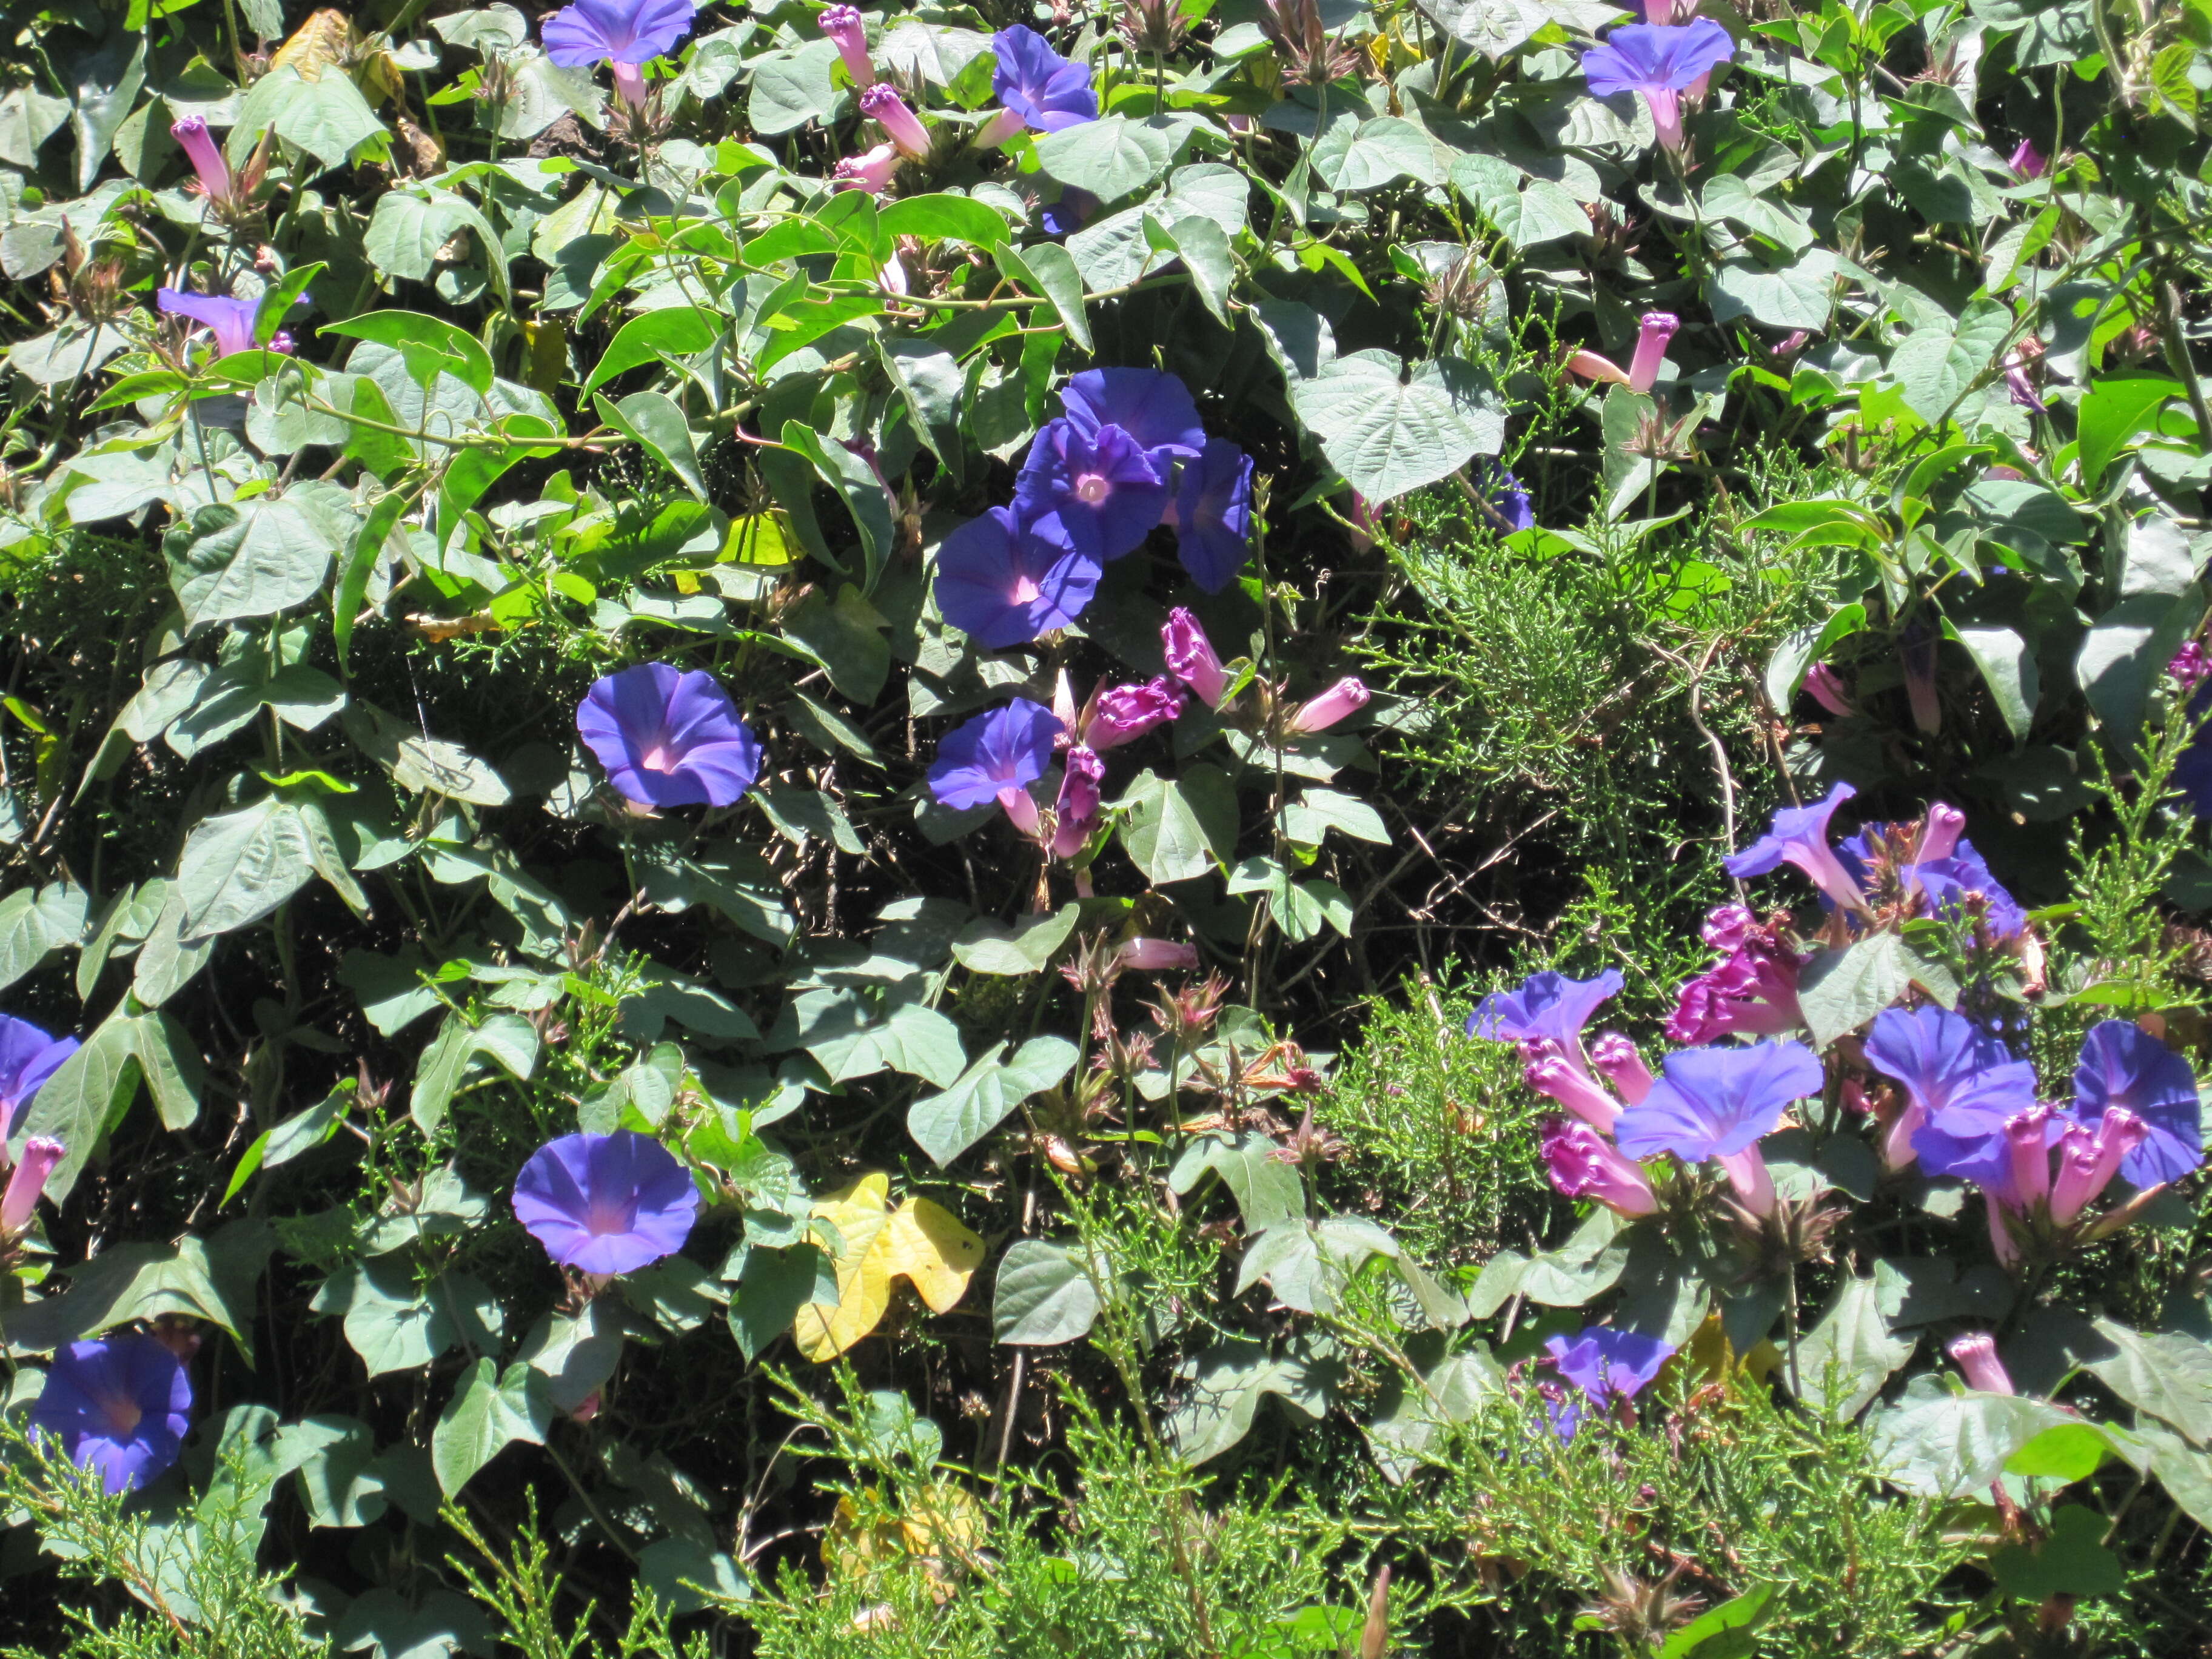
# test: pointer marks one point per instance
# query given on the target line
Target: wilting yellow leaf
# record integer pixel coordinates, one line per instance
(758, 538)
(920, 1241)
(319, 42)
(942, 1524)
(547, 361)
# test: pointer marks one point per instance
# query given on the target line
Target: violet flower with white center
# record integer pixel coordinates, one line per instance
(994, 755)
(2122, 1064)
(27, 1183)
(119, 1406)
(1799, 836)
(1122, 714)
(1582, 1164)
(1332, 708)
(1660, 62)
(1157, 956)
(871, 170)
(1604, 1365)
(1039, 89)
(1976, 1354)
(28, 1057)
(1191, 658)
(1558, 1077)
(1654, 332)
(1212, 514)
(1099, 490)
(1615, 1059)
(843, 25)
(669, 738)
(231, 320)
(623, 34)
(1076, 815)
(1546, 1008)
(607, 1204)
(2087, 1161)
(882, 104)
(1716, 1103)
(206, 157)
(1004, 583)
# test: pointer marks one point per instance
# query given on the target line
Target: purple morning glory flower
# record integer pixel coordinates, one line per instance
(231, 319)
(1546, 1007)
(1003, 584)
(1717, 1101)
(1956, 1075)
(624, 32)
(119, 1406)
(1040, 89)
(1007, 748)
(1150, 404)
(1098, 491)
(1605, 1364)
(1947, 881)
(607, 1204)
(28, 1057)
(1660, 61)
(1213, 514)
(669, 738)
(1800, 836)
(1504, 502)
(2122, 1064)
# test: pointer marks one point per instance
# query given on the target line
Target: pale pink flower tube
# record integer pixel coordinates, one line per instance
(870, 170)
(1340, 702)
(882, 104)
(1976, 1354)
(1573, 1089)
(1657, 328)
(1157, 956)
(29, 1183)
(842, 24)
(205, 156)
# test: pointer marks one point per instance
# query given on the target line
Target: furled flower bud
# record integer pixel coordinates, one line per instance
(1826, 689)
(1657, 328)
(2026, 1144)
(870, 170)
(1615, 1057)
(206, 157)
(1574, 1090)
(1157, 956)
(1584, 1164)
(29, 1183)
(1340, 702)
(1727, 926)
(2087, 1161)
(1122, 714)
(1976, 1354)
(1077, 814)
(1939, 833)
(889, 111)
(1192, 658)
(842, 24)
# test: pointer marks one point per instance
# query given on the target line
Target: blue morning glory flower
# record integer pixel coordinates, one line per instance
(2122, 1064)
(1098, 491)
(1040, 89)
(669, 738)
(1007, 748)
(119, 1406)
(1963, 1079)
(1717, 1102)
(1605, 1364)
(1213, 514)
(1151, 405)
(1003, 583)
(1799, 836)
(28, 1057)
(607, 1204)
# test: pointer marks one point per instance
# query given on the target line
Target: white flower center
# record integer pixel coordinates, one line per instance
(1092, 487)
(1025, 589)
(659, 759)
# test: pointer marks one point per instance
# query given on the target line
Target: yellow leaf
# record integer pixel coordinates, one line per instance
(757, 539)
(322, 40)
(942, 1524)
(920, 1240)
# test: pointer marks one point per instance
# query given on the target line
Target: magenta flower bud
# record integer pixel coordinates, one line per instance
(883, 105)
(2027, 161)
(1746, 1172)
(1826, 688)
(205, 156)
(1077, 814)
(2191, 666)
(870, 170)
(1340, 702)
(1976, 1354)
(1727, 926)
(2087, 1161)
(1615, 1055)
(1122, 714)
(1792, 342)
(1362, 522)
(1001, 128)
(29, 1183)
(1574, 1090)
(1939, 833)
(1157, 956)
(842, 24)
(1192, 658)
(1658, 328)
(2028, 1157)
(630, 84)
(1584, 1164)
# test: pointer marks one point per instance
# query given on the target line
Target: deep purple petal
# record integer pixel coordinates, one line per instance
(1548, 1006)
(1103, 494)
(1153, 407)
(119, 1405)
(1213, 514)
(1715, 1101)
(653, 727)
(2122, 1064)
(1005, 585)
(1966, 1080)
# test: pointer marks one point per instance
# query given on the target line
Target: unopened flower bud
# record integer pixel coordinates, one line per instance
(1976, 1354)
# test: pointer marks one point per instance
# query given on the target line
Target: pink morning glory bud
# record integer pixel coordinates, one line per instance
(1584, 1164)
(870, 170)
(842, 24)
(1192, 658)
(1976, 1354)
(1340, 702)
(1001, 128)
(1726, 927)
(1122, 714)
(1077, 813)
(1939, 833)
(1362, 522)
(630, 84)
(1746, 1172)
(1157, 956)
(883, 105)
(206, 157)
(29, 1183)
(1826, 688)
(2027, 1143)
(1615, 1055)
(2087, 1161)
(2027, 161)
(2190, 665)
(1574, 1090)
(1657, 329)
